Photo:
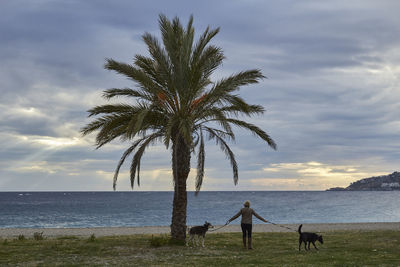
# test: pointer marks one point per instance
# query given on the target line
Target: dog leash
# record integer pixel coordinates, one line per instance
(282, 226)
(212, 230)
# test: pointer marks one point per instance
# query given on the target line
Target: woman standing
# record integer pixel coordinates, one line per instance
(247, 224)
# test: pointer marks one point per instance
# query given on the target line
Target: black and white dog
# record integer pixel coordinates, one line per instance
(308, 238)
(200, 232)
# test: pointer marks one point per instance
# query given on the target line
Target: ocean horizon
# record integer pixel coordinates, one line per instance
(75, 209)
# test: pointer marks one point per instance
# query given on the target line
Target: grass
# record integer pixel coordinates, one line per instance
(341, 248)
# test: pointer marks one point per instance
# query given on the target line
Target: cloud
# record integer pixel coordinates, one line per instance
(308, 175)
(40, 166)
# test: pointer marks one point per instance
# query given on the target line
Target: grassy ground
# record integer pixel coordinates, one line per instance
(345, 248)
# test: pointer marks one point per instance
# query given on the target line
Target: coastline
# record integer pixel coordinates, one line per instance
(234, 228)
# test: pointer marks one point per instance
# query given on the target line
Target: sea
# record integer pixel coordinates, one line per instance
(125, 209)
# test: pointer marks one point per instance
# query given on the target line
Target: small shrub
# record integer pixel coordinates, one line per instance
(158, 241)
(5, 242)
(92, 238)
(38, 236)
(68, 237)
(21, 238)
(176, 242)
(164, 240)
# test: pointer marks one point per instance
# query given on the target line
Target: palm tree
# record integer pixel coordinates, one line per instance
(176, 103)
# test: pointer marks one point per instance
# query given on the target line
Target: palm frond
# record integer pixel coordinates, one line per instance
(161, 62)
(137, 121)
(187, 42)
(248, 110)
(135, 74)
(233, 82)
(121, 161)
(202, 69)
(200, 164)
(204, 39)
(255, 130)
(151, 68)
(117, 92)
(216, 115)
(110, 127)
(93, 126)
(114, 126)
(209, 61)
(222, 134)
(171, 33)
(115, 108)
(228, 152)
(135, 165)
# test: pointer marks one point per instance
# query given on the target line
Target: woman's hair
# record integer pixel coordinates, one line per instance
(246, 203)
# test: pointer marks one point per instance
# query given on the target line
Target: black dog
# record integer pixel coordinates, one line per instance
(199, 231)
(309, 238)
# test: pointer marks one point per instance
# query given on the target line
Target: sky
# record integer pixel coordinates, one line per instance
(332, 96)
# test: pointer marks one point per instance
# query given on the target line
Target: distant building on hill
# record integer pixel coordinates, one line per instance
(388, 182)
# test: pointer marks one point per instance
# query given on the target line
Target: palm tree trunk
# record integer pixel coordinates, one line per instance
(180, 169)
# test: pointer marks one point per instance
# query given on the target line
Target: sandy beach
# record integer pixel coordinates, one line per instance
(114, 231)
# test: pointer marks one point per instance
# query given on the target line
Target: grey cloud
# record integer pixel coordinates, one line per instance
(31, 127)
(309, 41)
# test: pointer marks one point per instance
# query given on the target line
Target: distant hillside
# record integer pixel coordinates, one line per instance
(379, 183)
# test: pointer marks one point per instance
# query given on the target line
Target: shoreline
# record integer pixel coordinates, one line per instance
(233, 228)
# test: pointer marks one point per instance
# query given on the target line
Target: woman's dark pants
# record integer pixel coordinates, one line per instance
(246, 229)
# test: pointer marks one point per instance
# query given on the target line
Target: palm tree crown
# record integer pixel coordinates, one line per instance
(176, 102)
